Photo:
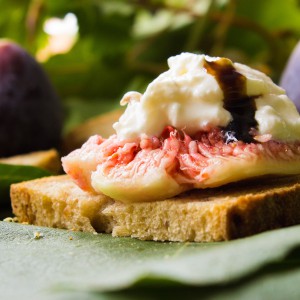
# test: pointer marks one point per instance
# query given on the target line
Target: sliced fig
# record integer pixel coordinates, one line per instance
(31, 113)
(236, 124)
(153, 168)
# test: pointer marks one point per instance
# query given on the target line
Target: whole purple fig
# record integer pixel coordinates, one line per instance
(30, 110)
(290, 79)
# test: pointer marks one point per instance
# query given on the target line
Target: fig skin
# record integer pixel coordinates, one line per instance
(290, 79)
(31, 112)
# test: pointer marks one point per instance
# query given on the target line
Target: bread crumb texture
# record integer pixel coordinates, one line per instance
(230, 212)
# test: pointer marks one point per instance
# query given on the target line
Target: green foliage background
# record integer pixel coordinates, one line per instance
(122, 45)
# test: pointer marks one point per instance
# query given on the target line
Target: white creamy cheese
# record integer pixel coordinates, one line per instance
(189, 98)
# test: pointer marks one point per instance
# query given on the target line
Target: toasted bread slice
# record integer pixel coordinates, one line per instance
(48, 160)
(225, 213)
(57, 202)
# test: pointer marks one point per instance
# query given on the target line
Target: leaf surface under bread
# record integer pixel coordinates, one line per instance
(61, 264)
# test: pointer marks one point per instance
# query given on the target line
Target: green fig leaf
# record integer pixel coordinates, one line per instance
(45, 263)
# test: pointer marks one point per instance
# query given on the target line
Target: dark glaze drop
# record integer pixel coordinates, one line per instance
(241, 107)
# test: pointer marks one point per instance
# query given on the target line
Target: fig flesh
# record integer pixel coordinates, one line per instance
(155, 168)
(30, 110)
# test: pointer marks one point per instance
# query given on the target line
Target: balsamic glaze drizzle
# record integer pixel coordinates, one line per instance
(236, 101)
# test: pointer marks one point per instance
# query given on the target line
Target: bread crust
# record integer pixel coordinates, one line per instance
(225, 213)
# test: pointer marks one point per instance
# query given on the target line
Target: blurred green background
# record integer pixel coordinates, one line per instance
(94, 51)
